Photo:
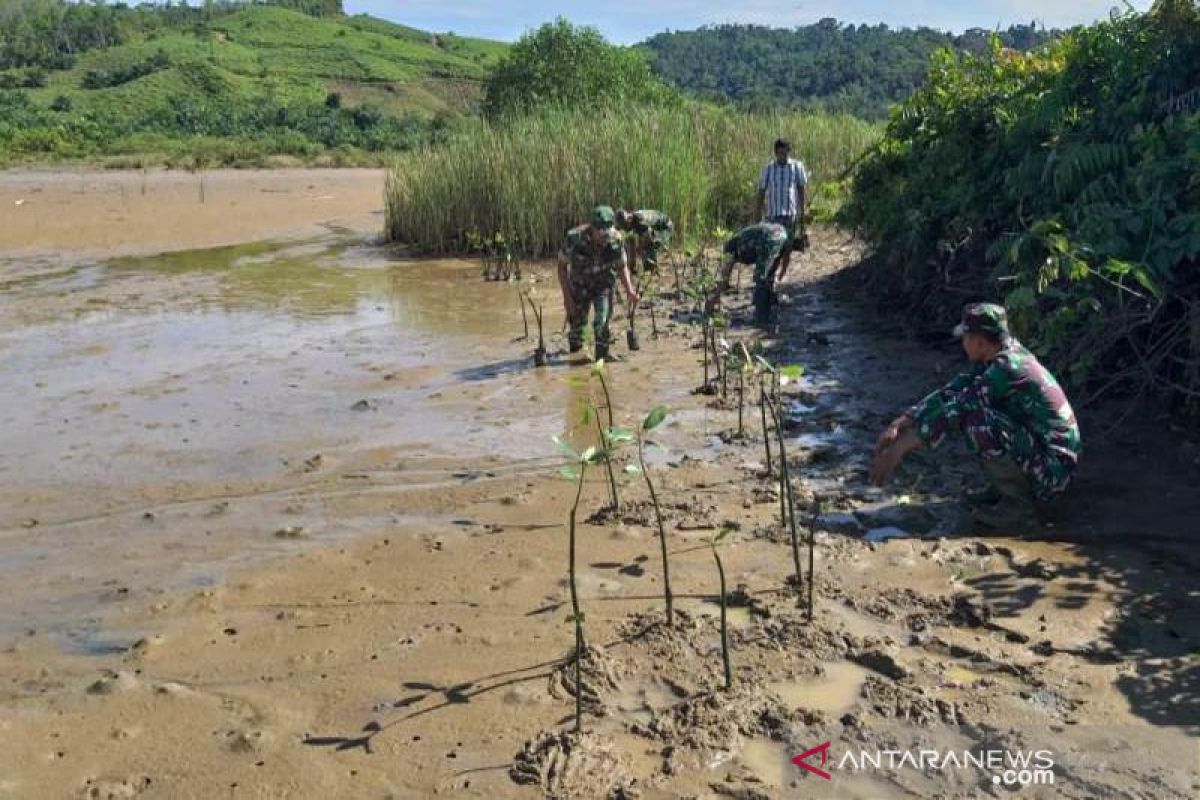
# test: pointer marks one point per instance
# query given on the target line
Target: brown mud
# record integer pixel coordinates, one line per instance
(283, 519)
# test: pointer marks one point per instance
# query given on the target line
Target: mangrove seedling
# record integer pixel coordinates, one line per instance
(535, 305)
(610, 437)
(713, 543)
(576, 472)
(764, 369)
(524, 316)
(812, 544)
(786, 375)
(652, 421)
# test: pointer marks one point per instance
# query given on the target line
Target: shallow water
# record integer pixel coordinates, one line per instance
(165, 414)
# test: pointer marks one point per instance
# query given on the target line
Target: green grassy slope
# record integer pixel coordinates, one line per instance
(395, 84)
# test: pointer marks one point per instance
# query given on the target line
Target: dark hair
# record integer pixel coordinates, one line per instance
(783, 143)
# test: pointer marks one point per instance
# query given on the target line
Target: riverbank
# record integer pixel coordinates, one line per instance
(283, 519)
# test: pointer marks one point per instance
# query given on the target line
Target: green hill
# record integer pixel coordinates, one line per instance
(828, 66)
(231, 83)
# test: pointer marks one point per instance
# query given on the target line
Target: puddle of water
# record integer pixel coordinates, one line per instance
(832, 693)
(770, 761)
(736, 616)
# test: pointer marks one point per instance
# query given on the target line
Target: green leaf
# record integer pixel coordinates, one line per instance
(633, 469)
(790, 374)
(1142, 276)
(618, 435)
(566, 448)
(598, 367)
(724, 532)
(793, 372)
(654, 418)
(586, 417)
(568, 474)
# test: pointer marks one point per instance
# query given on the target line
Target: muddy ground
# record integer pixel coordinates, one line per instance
(281, 519)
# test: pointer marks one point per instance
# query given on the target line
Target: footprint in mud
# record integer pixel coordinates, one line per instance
(114, 789)
(598, 677)
(567, 767)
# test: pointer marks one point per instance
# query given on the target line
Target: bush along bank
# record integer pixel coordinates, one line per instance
(1065, 184)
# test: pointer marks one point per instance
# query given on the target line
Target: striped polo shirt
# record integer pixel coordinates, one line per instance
(782, 184)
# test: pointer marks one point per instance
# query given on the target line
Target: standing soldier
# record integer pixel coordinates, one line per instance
(1013, 414)
(783, 197)
(648, 233)
(762, 245)
(589, 263)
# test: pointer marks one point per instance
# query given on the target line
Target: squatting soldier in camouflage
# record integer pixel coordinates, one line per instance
(591, 259)
(648, 233)
(762, 245)
(1012, 412)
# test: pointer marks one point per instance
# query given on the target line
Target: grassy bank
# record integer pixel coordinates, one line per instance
(534, 177)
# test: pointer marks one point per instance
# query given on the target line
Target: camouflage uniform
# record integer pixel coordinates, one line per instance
(760, 245)
(593, 274)
(1009, 408)
(653, 229)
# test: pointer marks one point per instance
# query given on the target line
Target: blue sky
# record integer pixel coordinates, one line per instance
(629, 21)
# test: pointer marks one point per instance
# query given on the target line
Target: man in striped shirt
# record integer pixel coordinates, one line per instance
(782, 197)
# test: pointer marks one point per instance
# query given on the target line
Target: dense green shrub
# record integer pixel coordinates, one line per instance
(1065, 184)
(569, 67)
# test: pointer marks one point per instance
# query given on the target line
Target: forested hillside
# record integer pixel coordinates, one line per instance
(226, 82)
(856, 69)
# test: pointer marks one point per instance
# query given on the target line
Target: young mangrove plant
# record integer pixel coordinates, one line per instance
(812, 544)
(532, 297)
(713, 544)
(611, 437)
(576, 471)
(524, 316)
(652, 421)
(763, 369)
(784, 376)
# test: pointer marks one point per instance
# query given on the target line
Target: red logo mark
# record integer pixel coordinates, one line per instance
(800, 760)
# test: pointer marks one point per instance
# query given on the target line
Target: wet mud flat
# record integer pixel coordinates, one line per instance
(349, 580)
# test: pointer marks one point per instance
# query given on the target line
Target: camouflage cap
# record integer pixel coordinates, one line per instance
(603, 217)
(986, 318)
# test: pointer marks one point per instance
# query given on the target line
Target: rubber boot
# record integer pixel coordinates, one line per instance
(1015, 510)
(574, 343)
(762, 304)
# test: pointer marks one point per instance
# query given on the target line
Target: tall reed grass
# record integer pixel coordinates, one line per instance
(532, 178)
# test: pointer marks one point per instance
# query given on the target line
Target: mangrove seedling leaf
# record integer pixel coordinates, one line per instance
(654, 418)
(592, 455)
(724, 532)
(618, 435)
(792, 372)
(598, 367)
(633, 469)
(568, 474)
(566, 448)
